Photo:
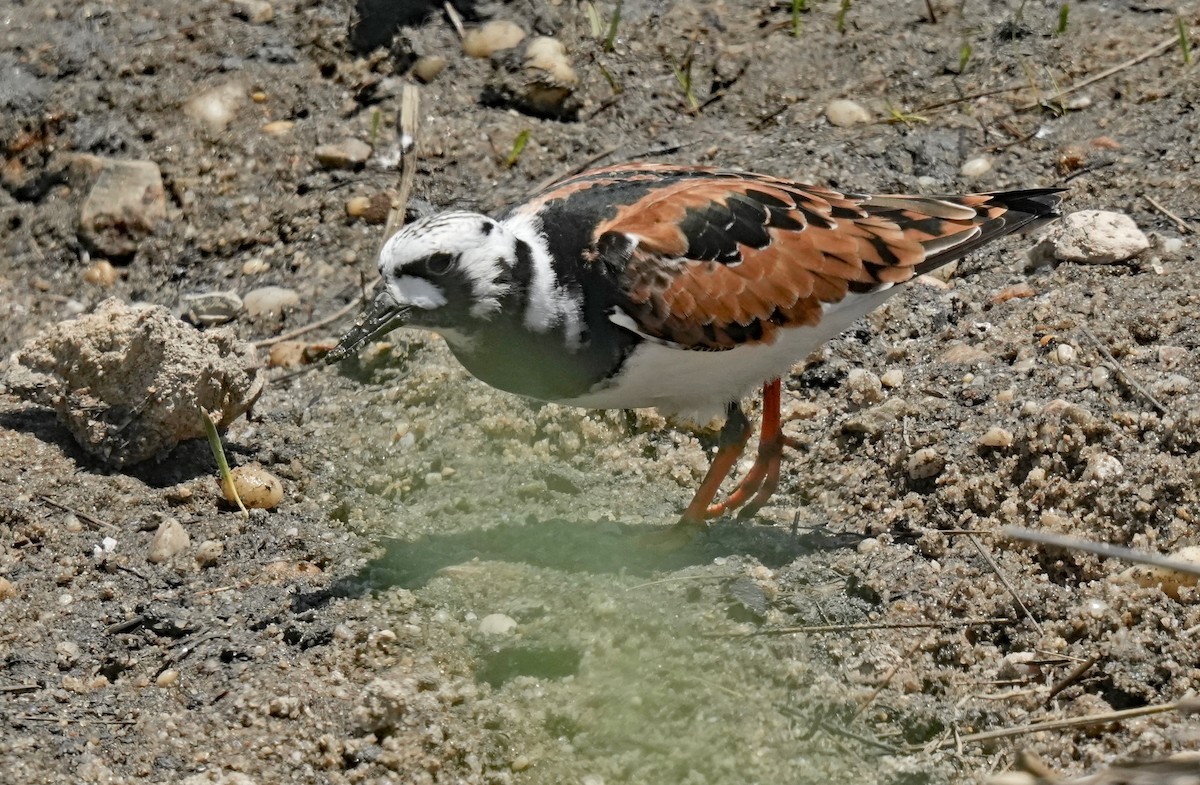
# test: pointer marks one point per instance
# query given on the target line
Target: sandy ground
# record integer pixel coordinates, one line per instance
(862, 628)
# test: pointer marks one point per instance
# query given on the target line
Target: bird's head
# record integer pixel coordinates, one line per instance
(447, 272)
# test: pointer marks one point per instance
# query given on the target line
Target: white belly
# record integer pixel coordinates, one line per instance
(697, 385)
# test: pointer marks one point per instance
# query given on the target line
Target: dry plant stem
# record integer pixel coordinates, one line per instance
(455, 19)
(913, 625)
(410, 105)
(333, 317)
(1183, 225)
(1075, 675)
(1007, 586)
(1116, 366)
(83, 516)
(1063, 724)
(78, 720)
(1154, 50)
(1100, 549)
(887, 679)
(574, 170)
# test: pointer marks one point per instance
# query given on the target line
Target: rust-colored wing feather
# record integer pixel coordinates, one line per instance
(712, 259)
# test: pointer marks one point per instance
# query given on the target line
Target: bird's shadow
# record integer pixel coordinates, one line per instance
(571, 547)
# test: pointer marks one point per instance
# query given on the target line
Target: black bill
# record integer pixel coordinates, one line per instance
(382, 316)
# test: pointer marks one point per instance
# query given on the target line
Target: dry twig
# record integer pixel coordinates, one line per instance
(1183, 225)
(1116, 366)
(1003, 580)
(1100, 549)
(1157, 49)
(1060, 724)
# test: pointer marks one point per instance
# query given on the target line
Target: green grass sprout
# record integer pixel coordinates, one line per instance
(1185, 44)
(214, 441)
(1064, 14)
(518, 145)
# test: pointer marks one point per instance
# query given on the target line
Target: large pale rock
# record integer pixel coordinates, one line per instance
(129, 383)
(123, 206)
(1093, 237)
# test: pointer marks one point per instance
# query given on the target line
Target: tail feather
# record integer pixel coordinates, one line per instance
(997, 214)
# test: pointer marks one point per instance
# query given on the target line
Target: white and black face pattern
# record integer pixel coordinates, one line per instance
(449, 269)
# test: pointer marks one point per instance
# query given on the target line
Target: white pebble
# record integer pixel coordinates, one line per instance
(169, 539)
(492, 37)
(864, 387)
(1170, 581)
(844, 113)
(214, 109)
(269, 300)
(1103, 467)
(1172, 245)
(497, 624)
(892, 379)
(997, 437)
(345, 154)
(1064, 354)
(976, 167)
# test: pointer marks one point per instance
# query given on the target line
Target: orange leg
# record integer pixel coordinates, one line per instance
(734, 435)
(760, 482)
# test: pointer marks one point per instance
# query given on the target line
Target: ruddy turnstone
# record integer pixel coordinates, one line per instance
(675, 287)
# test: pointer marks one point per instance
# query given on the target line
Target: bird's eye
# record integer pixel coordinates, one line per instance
(439, 263)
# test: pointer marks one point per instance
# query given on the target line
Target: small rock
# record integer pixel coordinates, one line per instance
(844, 113)
(1169, 580)
(750, 602)
(1015, 292)
(278, 127)
(269, 301)
(289, 354)
(1063, 354)
(256, 487)
(215, 109)
(1094, 237)
(892, 378)
(976, 167)
(1019, 665)
(255, 266)
(101, 274)
(170, 538)
(864, 387)
(345, 154)
(357, 206)
(492, 37)
(167, 678)
(7, 589)
(1172, 245)
(1171, 357)
(428, 68)
(925, 463)
(257, 12)
(209, 552)
(877, 419)
(1102, 467)
(1101, 377)
(497, 624)
(997, 438)
(209, 309)
(123, 206)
